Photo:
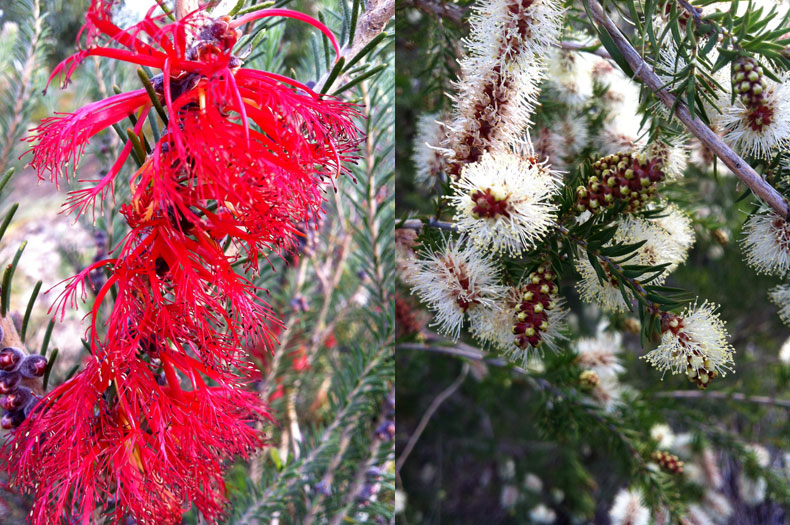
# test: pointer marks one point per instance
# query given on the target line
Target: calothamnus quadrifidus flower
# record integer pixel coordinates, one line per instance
(147, 425)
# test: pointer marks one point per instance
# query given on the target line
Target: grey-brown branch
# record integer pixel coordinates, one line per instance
(711, 140)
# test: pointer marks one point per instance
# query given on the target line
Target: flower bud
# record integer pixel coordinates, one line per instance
(10, 358)
(33, 366)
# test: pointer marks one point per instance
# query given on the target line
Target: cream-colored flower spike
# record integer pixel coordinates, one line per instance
(694, 342)
(500, 76)
(674, 157)
(570, 76)
(677, 224)
(766, 242)
(759, 133)
(503, 202)
(428, 158)
(659, 248)
(455, 280)
(628, 509)
(780, 296)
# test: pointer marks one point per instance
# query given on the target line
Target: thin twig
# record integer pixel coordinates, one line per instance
(576, 46)
(442, 9)
(733, 161)
(735, 396)
(184, 7)
(426, 417)
(372, 22)
(417, 224)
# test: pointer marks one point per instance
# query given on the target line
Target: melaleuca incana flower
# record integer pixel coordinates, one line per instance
(428, 158)
(570, 76)
(628, 509)
(693, 342)
(658, 248)
(503, 201)
(766, 242)
(149, 423)
(759, 128)
(498, 85)
(525, 321)
(780, 296)
(454, 280)
(600, 354)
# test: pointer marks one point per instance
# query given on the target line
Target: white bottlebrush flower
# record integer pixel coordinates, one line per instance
(500, 76)
(429, 161)
(678, 226)
(592, 290)
(542, 514)
(784, 352)
(453, 280)
(753, 491)
(658, 248)
(503, 202)
(674, 157)
(695, 343)
(622, 93)
(718, 505)
(493, 327)
(607, 393)
(766, 242)
(662, 434)
(780, 296)
(564, 139)
(599, 354)
(620, 132)
(570, 76)
(628, 509)
(758, 132)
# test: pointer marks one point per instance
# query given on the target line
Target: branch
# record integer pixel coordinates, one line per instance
(417, 224)
(642, 70)
(184, 7)
(735, 396)
(537, 383)
(426, 417)
(441, 8)
(576, 46)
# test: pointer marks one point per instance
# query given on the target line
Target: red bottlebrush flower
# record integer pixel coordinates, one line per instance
(149, 423)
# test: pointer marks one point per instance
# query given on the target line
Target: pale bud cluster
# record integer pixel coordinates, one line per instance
(528, 319)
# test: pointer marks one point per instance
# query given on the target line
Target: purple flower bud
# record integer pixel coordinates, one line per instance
(8, 381)
(16, 399)
(10, 358)
(33, 366)
(12, 419)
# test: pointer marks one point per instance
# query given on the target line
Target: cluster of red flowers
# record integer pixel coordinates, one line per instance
(148, 424)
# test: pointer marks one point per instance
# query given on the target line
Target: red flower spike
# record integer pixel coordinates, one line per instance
(161, 405)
